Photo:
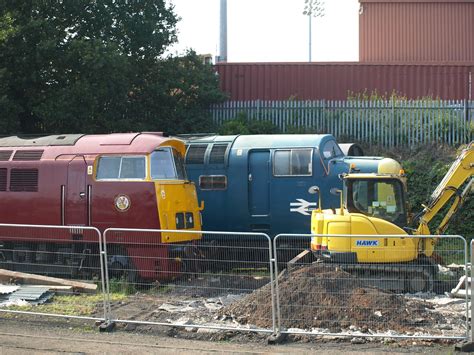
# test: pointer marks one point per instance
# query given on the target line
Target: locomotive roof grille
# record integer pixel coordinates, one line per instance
(44, 141)
(217, 155)
(196, 153)
(27, 155)
(5, 155)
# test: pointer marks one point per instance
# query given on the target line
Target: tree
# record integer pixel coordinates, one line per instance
(97, 66)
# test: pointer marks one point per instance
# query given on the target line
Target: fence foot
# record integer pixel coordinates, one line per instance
(107, 326)
(277, 338)
(466, 347)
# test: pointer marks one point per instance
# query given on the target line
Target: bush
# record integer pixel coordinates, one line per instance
(242, 125)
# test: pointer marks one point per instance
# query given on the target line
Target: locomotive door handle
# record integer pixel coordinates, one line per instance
(82, 194)
(250, 177)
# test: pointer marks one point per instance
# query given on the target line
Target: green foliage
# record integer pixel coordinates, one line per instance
(121, 286)
(98, 66)
(243, 125)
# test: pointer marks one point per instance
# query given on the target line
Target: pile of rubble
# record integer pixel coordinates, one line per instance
(326, 298)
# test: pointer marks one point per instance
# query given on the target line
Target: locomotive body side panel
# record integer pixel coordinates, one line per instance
(141, 212)
(76, 199)
(35, 197)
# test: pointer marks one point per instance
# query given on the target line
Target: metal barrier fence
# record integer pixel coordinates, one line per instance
(206, 284)
(53, 271)
(470, 288)
(400, 298)
(238, 281)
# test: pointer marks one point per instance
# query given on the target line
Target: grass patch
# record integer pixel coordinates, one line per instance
(71, 305)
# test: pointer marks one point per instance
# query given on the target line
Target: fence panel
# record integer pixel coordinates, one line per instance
(220, 281)
(400, 298)
(381, 122)
(52, 271)
(470, 287)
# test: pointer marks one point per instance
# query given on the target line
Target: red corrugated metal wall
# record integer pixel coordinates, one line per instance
(333, 81)
(422, 30)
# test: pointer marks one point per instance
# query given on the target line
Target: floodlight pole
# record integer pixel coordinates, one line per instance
(313, 8)
(309, 36)
(223, 32)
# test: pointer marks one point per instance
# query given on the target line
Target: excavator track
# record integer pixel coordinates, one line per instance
(400, 278)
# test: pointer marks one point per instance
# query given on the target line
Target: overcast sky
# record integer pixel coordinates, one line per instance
(270, 30)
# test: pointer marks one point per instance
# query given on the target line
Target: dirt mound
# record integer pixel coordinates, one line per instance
(320, 297)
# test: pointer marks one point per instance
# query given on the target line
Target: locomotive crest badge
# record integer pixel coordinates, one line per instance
(122, 203)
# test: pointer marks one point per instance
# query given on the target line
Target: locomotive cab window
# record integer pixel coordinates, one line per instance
(293, 162)
(167, 164)
(121, 168)
(331, 150)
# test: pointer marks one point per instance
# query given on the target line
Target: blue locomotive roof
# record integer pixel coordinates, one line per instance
(266, 140)
(280, 140)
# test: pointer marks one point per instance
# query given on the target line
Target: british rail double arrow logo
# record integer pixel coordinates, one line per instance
(302, 206)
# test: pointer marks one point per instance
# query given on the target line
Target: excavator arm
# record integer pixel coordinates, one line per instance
(460, 172)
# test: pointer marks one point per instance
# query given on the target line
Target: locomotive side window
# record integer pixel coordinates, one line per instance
(133, 168)
(179, 164)
(167, 164)
(108, 168)
(213, 182)
(116, 167)
(292, 162)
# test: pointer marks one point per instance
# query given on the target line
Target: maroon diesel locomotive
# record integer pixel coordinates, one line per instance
(131, 180)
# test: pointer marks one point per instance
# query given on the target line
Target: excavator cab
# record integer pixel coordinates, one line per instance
(371, 204)
(381, 197)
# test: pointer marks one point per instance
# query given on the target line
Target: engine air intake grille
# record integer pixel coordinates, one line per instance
(28, 155)
(196, 154)
(218, 154)
(3, 179)
(24, 180)
(5, 155)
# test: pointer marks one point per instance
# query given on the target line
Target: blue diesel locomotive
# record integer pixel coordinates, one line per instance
(259, 183)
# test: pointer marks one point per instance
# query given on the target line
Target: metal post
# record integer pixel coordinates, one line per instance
(309, 38)
(223, 32)
(472, 291)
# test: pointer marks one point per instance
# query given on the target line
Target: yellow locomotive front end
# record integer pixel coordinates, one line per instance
(176, 197)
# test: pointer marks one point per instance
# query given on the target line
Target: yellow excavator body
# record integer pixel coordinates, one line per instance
(374, 204)
(367, 249)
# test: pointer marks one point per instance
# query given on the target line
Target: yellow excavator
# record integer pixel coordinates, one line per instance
(375, 204)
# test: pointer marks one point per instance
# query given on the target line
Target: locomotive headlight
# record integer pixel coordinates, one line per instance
(189, 220)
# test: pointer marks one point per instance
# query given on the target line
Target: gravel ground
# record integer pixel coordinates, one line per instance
(57, 336)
